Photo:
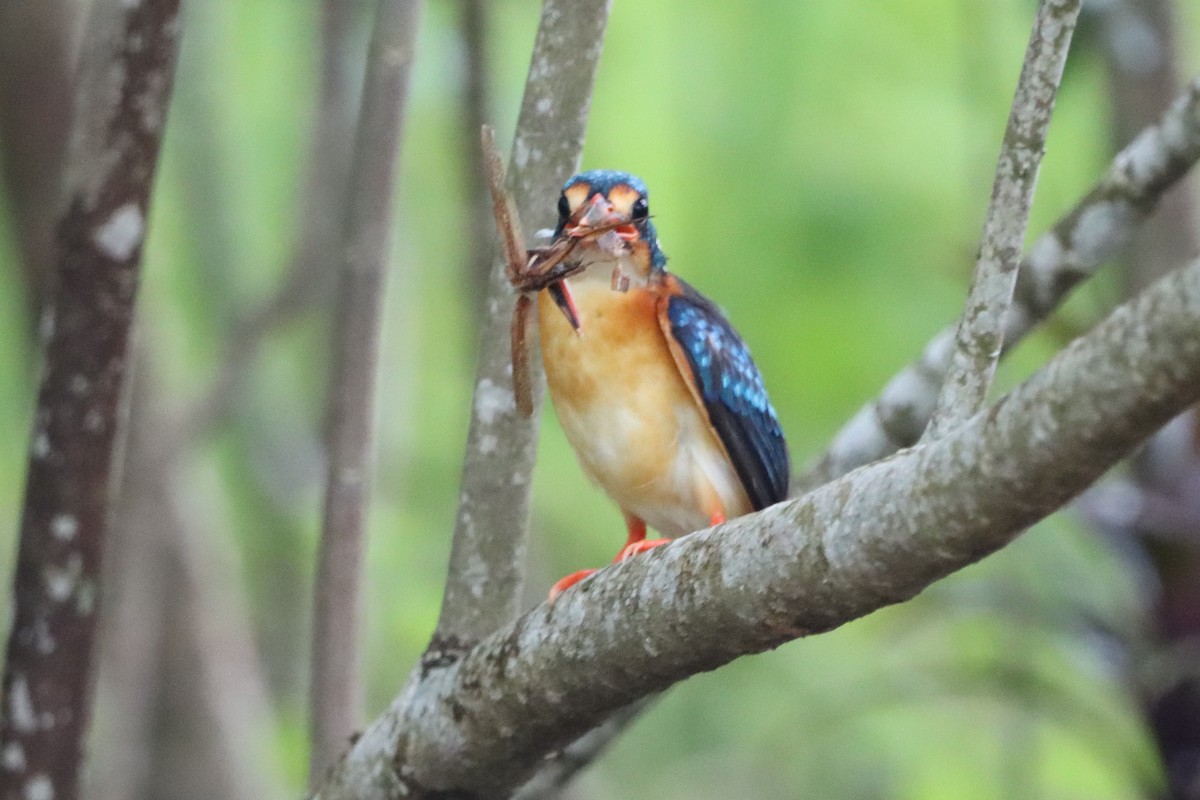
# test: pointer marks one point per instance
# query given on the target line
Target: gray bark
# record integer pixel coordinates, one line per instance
(336, 693)
(980, 333)
(487, 557)
(481, 726)
(1090, 234)
(1086, 237)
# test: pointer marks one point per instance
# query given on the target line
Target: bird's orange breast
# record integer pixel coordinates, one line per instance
(633, 422)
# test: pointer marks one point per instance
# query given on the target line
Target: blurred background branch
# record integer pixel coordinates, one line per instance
(170, 573)
(337, 695)
(121, 97)
(1153, 509)
(184, 706)
(1082, 241)
(476, 112)
(776, 193)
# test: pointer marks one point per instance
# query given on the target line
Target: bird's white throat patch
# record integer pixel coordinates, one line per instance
(616, 271)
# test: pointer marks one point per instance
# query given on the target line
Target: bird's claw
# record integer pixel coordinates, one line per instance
(634, 548)
(566, 583)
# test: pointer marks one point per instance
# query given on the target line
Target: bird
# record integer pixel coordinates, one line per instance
(656, 392)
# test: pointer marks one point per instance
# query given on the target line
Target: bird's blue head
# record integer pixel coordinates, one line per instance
(617, 201)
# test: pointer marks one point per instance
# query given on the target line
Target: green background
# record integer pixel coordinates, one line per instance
(821, 170)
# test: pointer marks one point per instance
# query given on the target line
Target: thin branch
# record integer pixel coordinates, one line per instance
(137, 614)
(1080, 242)
(336, 696)
(226, 670)
(475, 103)
(308, 281)
(481, 726)
(487, 557)
(1155, 509)
(980, 333)
(120, 112)
(176, 632)
(137, 579)
(126, 671)
(562, 767)
(1139, 42)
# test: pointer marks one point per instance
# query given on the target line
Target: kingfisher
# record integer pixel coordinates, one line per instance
(655, 390)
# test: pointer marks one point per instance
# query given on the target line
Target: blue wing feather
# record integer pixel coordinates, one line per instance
(732, 390)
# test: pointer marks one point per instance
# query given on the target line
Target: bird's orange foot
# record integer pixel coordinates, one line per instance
(633, 548)
(567, 583)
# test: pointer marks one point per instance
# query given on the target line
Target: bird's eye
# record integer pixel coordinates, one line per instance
(564, 207)
(641, 209)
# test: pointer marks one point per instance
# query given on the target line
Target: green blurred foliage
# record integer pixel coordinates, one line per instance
(821, 170)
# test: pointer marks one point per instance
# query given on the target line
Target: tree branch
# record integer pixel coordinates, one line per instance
(176, 639)
(1139, 41)
(474, 109)
(1079, 243)
(1154, 508)
(308, 282)
(562, 767)
(336, 696)
(487, 557)
(980, 333)
(121, 104)
(897, 418)
(1094, 231)
(482, 725)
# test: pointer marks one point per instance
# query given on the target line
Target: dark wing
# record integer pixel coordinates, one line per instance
(731, 389)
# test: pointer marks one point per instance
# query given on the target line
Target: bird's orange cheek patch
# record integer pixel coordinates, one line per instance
(577, 194)
(623, 196)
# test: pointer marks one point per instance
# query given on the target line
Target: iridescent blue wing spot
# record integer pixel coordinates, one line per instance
(733, 394)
